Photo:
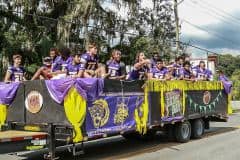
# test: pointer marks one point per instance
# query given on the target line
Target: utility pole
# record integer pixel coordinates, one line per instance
(207, 60)
(177, 26)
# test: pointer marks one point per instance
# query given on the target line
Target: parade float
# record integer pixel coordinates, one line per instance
(78, 110)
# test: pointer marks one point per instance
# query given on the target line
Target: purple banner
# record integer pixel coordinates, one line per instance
(170, 119)
(88, 88)
(226, 83)
(111, 114)
(8, 92)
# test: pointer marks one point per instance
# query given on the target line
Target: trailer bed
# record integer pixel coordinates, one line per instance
(13, 141)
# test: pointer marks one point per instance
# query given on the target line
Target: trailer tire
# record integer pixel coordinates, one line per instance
(197, 128)
(183, 132)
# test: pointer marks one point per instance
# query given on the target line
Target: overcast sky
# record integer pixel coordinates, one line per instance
(214, 24)
(221, 20)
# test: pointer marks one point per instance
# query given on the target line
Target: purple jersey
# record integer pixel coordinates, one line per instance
(17, 73)
(194, 70)
(153, 63)
(72, 69)
(139, 74)
(115, 68)
(54, 62)
(185, 73)
(88, 62)
(204, 74)
(60, 64)
(159, 73)
(178, 69)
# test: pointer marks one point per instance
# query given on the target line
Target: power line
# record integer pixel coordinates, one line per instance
(223, 11)
(213, 13)
(208, 12)
(212, 33)
(197, 47)
(127, 33)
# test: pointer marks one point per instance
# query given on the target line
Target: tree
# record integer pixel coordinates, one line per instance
(34, 26)
(228, 63)
(236, 84)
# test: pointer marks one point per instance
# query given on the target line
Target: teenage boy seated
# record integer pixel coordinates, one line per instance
(15, 72)
(90, 66)
(186, 73)
(44, 72)
(159, 72)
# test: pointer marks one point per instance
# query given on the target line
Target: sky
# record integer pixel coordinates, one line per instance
(211, 24)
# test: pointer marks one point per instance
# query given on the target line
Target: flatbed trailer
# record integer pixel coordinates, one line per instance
(14, 141)
(72, 111)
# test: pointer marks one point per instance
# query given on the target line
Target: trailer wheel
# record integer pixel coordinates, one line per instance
(197, 128)
(183, 132)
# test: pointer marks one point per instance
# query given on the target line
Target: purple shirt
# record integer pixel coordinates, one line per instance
(115, 68)
(203, 73)
(89, 62)
(159, 73)
(178, 69)
(139, 74)
(17, 73)
(185, 73)
(153, 63)
(54, 63)
(194, 70)
(60, 64)
(72, 69)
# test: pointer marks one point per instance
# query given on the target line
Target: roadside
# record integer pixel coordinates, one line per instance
(236, 106)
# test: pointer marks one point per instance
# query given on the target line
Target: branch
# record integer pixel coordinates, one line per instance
(12, 17)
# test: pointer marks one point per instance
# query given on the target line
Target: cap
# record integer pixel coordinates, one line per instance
(47, 59)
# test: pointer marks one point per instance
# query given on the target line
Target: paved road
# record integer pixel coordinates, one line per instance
(222, 141)
(220, 147)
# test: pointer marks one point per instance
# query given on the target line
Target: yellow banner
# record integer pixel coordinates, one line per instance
(75, 110)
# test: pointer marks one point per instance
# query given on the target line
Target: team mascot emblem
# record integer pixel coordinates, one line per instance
(99, 113)
(34, 102)
(206, 97)
(121, 113)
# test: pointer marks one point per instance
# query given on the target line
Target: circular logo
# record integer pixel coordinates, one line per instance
(99, 112)
(34, 101)
(206, 97)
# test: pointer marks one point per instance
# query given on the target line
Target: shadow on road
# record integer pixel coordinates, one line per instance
(119, 148)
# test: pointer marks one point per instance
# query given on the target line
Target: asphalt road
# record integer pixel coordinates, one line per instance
(221, 142)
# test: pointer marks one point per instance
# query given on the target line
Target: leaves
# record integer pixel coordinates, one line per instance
(35, 26)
